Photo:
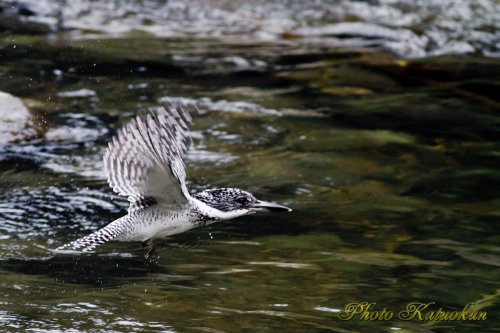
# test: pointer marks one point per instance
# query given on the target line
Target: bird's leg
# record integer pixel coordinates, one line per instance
(149, 245)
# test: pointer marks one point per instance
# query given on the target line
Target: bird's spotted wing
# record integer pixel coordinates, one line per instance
(144, 161)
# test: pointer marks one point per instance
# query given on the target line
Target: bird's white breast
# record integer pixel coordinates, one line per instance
(157, 222)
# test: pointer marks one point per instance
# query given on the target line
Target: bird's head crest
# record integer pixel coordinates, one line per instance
(227, 199)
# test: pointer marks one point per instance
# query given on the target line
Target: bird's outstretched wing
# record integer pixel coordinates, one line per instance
(144, 161)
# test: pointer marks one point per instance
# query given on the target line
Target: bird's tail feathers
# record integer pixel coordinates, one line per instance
(90, 242)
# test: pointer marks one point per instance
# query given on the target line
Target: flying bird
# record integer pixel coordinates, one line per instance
(144, 162)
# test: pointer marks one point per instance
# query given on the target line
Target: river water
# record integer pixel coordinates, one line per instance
(376, 121)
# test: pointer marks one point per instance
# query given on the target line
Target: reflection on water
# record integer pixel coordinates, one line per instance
(390, 165)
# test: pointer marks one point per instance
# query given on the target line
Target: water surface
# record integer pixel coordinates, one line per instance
(390, 166)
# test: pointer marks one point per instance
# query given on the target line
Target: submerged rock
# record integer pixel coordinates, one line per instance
(16, 121)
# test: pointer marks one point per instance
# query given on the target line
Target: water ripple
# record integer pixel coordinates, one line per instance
(206, 103)
(282, 264)
(28, 212)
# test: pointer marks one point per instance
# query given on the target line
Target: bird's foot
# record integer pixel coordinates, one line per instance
(149, 245)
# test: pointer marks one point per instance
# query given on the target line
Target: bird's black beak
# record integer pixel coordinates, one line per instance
(269, 206)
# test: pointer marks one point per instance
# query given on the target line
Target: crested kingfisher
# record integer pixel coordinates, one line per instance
(144, 162)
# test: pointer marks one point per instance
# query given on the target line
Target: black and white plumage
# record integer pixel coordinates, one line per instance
(144, 162)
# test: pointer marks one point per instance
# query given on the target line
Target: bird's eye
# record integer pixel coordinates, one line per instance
(241, 200)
